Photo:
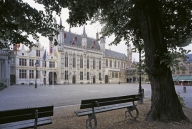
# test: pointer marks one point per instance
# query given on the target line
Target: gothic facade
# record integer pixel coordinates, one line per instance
(77, 59)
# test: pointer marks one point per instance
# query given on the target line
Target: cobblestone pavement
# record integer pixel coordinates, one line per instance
(21, 96)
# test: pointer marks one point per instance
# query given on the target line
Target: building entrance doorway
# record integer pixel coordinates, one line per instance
(106, 79)
(12, 79)
(73, 80)
(52, 78)
(93, 79)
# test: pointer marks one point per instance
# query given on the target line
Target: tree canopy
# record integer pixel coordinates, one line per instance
(18, 20)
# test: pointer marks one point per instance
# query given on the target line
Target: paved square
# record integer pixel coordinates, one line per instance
(21, 96)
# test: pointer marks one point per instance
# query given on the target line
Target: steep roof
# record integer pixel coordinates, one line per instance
(114, 54)
(70, 36)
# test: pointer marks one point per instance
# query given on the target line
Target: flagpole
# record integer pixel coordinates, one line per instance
(45, 68)
(52, 70)
(46, 73)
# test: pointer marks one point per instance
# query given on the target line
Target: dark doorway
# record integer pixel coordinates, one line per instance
(127, 80)
(73, 81)
(52, 77)
(134, 79)
(93, 79)
(106, 79)
(12, 77)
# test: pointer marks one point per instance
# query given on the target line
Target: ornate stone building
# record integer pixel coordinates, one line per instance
(77, 59)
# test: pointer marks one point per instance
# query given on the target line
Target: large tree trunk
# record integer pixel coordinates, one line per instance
(165, 105)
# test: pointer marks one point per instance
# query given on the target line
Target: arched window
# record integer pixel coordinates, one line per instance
(74, 61)
(110, 63)
(66, 60)
(88, 62)
(81, 62)
(94, 63)
(99, 63)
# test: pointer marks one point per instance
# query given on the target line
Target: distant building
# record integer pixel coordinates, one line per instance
(77, 59)
(133, 75)
(183, 76)
(4, 67)
(27, 71)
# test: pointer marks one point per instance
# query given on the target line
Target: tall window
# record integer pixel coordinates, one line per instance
(38, 74)
(31, 62)
(115, 64)
(87, 63)
(44, 64)
(106, 62)
(118, 64)
(51, 64)
(81, 62)
(87, 75)
(112, 74)
(66, 60)
(22, 62)
(100, 76)
(22, 73)
(81, 75)
(66, 75)
(116, 75)
(38, 53)
(74, 62)
(110, 63)
(100, 64)
(93, 63)
(31, 74)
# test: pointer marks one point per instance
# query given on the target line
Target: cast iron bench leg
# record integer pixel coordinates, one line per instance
(129, 109)
(36, 118)
(89, 123)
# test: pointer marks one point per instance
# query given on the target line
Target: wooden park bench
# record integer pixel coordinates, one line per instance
(92, 106)
(26, 118)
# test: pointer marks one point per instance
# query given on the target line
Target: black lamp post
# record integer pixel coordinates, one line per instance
(36, 74)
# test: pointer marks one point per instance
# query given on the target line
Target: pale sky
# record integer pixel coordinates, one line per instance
(91, 31)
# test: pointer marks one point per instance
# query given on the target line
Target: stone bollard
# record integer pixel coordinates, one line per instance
(184, 89)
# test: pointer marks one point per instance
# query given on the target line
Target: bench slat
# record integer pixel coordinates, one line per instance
(110, 99)
(24, 114)
(105, 103)
(102, 109)
(26, 123)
